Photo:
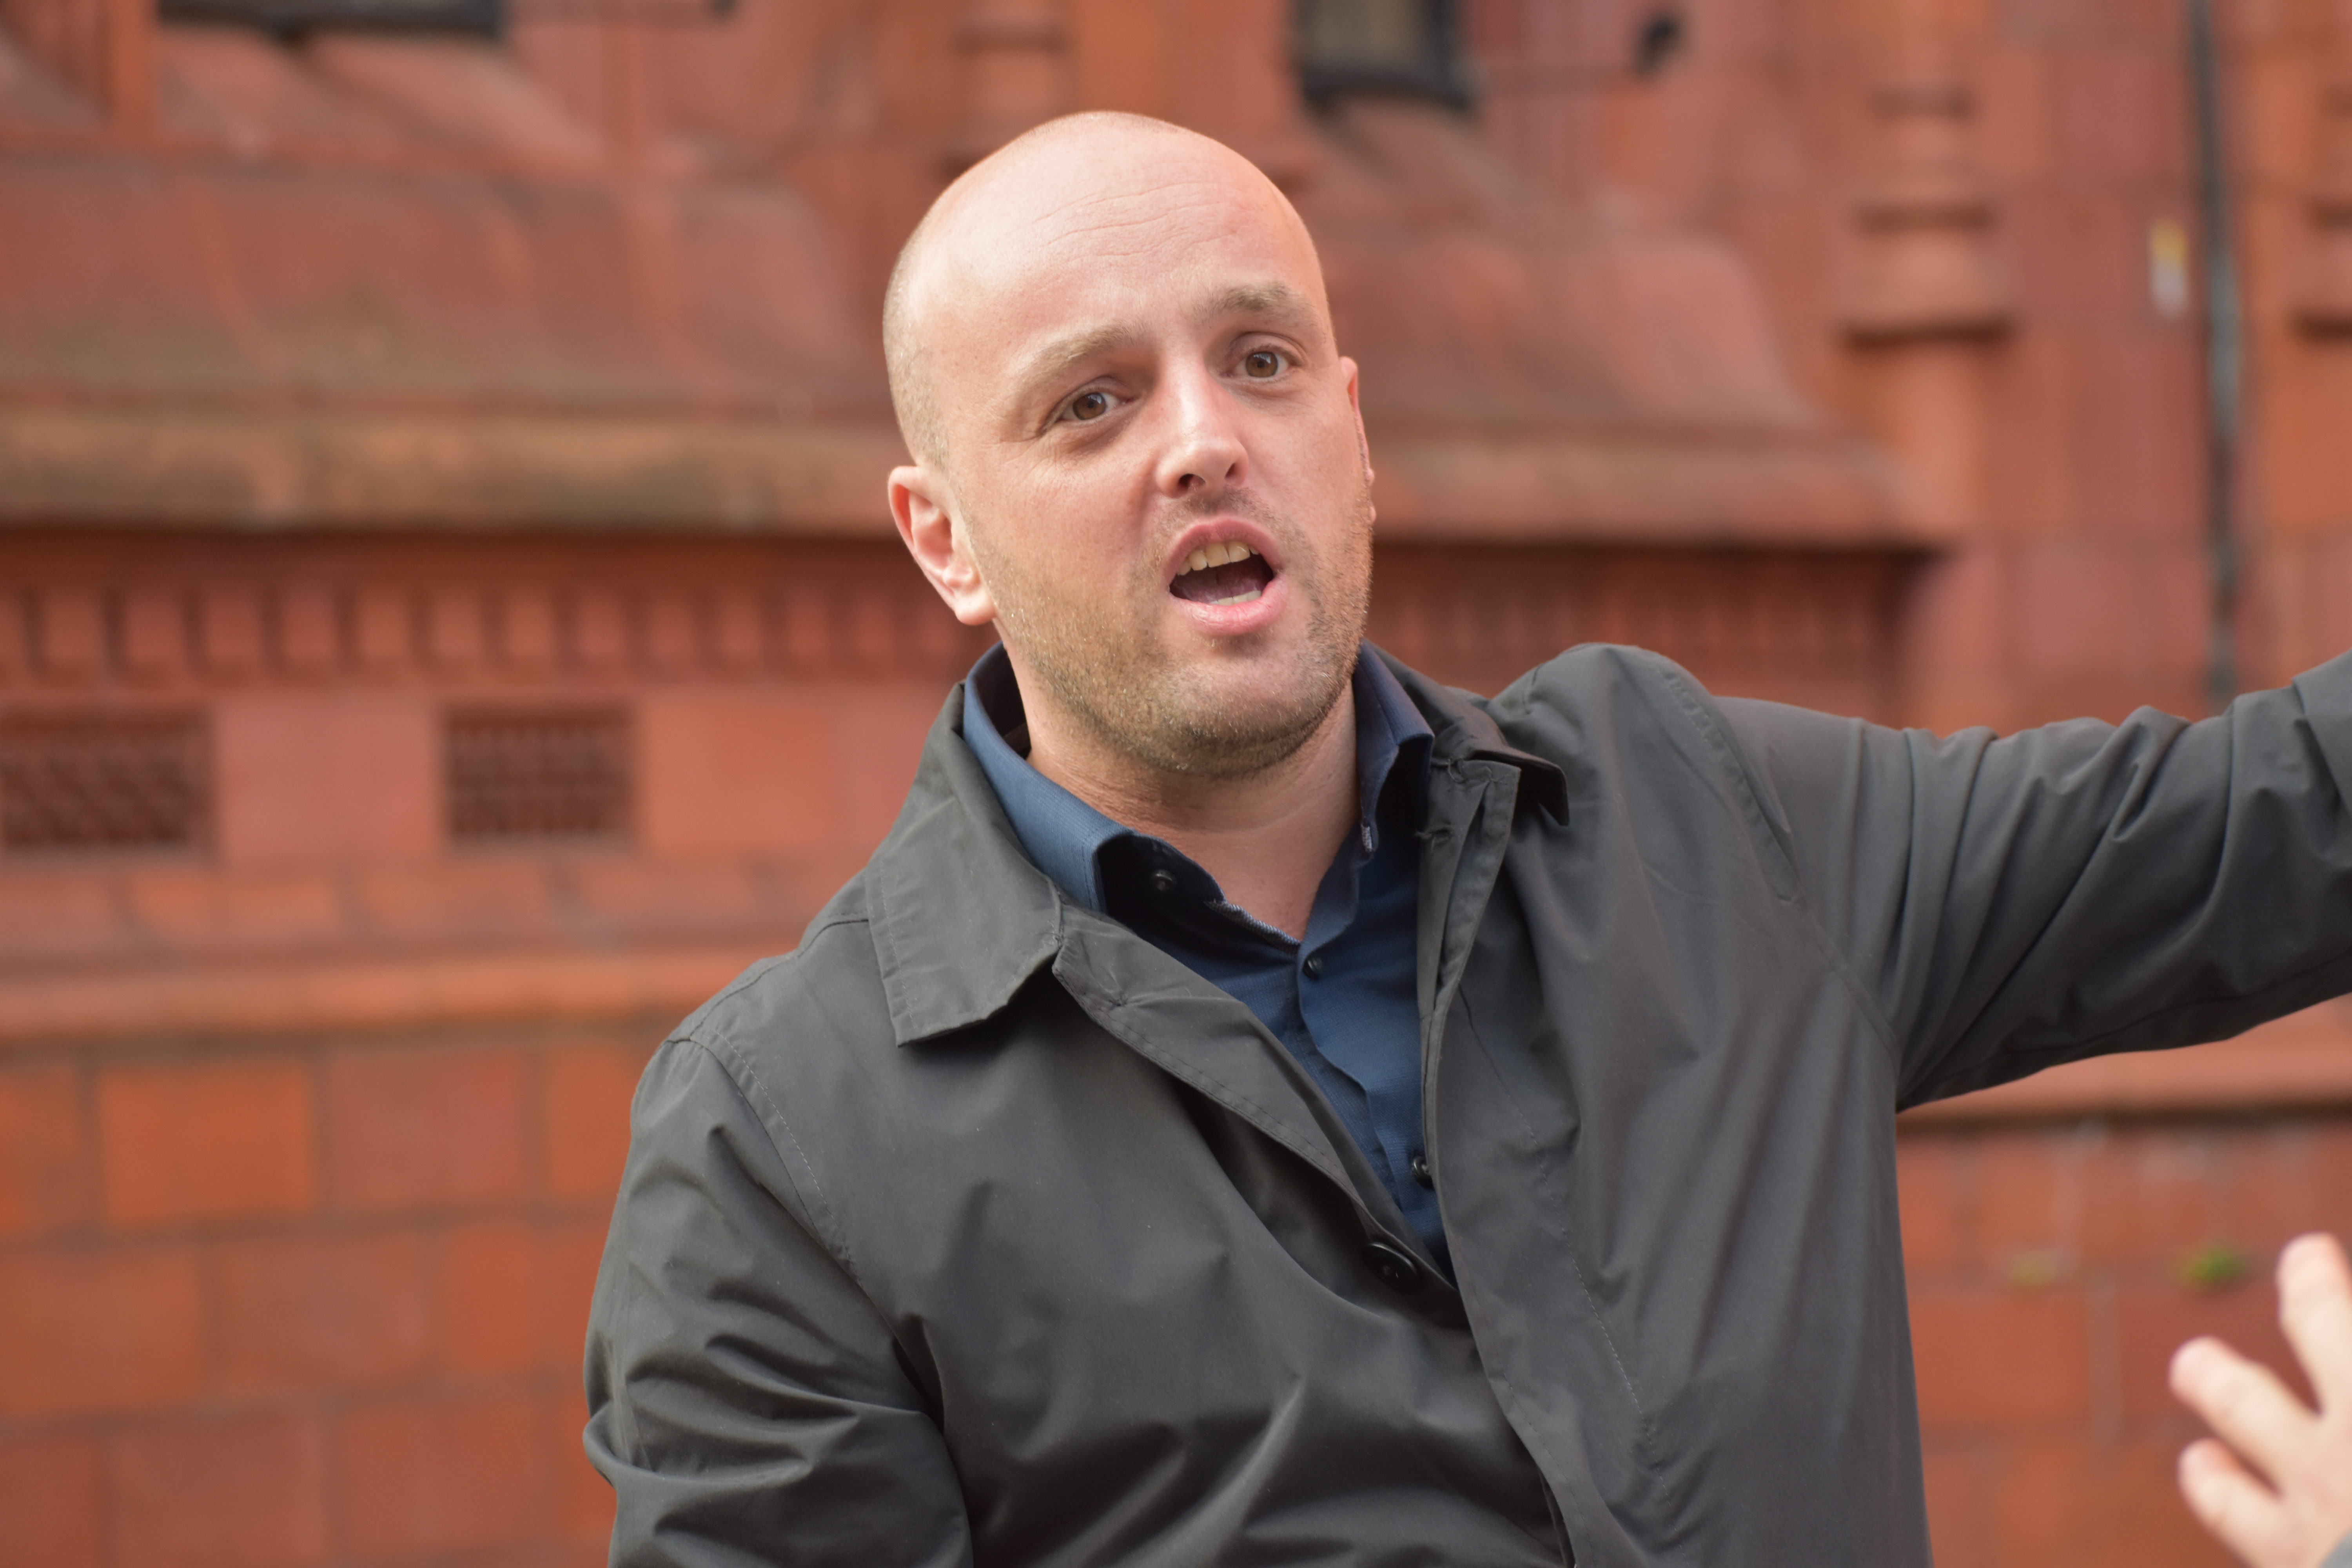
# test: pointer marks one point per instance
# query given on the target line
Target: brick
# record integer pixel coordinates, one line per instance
(1959, 1504)
(739, 629)
(72, 625)
(2002, 1358)
(383, 629)
(632, 892)
(487, 1299)
(326, 777)
(527, 627)
(204, 1141)
(229, 630)
(155, 633)
(2278, 1185)
(411, 1129)
(60, 913)
(321, 1310)
(309, 629)
(586, 1126)
(16, 636)
(44, 1166)
(583, 1500)
(2029, 1193)
(442, 1476)
(2104, 1507)
(598, 631)
(724, 771)
(457, 632)
(95, 1332)
(569, 1257)
(51, 1498)
(2155, 1193)
(202, 908)
(2154, 1321)
(491, 898)
(1928, 1187)
(672, 619)
(245, 1493)
(878, 739)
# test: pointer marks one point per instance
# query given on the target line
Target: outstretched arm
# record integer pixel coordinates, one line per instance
(2277, 1487)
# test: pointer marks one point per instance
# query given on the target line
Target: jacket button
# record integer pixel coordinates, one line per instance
(1393, 1265)
(1314, 965)
(1163, 881)
(1419, 1166)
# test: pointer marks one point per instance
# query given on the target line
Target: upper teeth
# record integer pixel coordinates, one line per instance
(1216, 555)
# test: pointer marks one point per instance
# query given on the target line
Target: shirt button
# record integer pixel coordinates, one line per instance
(1393, 1265)
(1314, 965)
(1418, 1165)
(1163, 881)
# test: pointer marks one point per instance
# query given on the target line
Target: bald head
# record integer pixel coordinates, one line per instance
(1076, 180)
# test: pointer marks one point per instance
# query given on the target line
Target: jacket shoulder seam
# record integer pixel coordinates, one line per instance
(808, 1187)
(1707, 723)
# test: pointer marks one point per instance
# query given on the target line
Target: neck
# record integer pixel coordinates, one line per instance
(1267, 838)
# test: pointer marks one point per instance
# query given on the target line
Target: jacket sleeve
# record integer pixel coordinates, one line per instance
(2009, 904)
(745, 1399)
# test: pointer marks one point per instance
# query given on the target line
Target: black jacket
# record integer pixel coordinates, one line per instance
(977, 1230)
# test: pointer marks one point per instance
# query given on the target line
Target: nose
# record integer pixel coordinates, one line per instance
(1203, 451)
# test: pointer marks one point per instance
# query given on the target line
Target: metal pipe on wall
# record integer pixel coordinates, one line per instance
(2224, 354)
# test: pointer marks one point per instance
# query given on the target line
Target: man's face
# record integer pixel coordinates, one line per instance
(1153, 448)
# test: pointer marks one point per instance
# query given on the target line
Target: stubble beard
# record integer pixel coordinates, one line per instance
(1116, 680)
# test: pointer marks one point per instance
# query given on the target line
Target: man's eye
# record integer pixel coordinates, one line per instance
(1260, 364)
(1089, 407)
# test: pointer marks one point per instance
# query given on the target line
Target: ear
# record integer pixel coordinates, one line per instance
(1356, 408)
(923, 510)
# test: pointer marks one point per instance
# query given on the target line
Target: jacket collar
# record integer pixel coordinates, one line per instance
(1465, 732)
(962, 918)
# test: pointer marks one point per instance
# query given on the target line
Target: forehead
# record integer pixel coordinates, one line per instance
(1066, 242)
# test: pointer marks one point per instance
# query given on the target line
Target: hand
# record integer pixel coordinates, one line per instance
(2279, 1494)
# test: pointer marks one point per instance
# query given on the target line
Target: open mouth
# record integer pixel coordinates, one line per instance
(1223, 573)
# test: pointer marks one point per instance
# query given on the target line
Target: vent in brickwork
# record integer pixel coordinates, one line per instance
(537, 776)
(81, 782)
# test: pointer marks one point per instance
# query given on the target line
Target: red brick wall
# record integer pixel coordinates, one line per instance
(2054, 1269)
(321, 1301)
(305, 1302)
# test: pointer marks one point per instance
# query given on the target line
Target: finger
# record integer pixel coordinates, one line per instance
(2244, 1403)
(2315, 1310)
(2245, 1515)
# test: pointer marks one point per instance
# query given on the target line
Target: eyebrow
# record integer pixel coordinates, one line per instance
(1055, 357)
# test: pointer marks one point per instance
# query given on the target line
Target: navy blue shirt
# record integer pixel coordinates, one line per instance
(1342, 1000)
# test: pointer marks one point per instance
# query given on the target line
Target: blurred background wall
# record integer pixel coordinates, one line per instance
(449, 623)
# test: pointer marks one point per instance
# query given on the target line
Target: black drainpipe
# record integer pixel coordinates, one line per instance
(2224, 355)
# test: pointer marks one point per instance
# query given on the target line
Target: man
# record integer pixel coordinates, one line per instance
(2279, 1492)
(1259, 1106)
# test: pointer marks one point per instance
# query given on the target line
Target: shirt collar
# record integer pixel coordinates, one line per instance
(1062, 833)
(1065, 835)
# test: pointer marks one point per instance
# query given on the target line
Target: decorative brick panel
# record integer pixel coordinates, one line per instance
(92, 780)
